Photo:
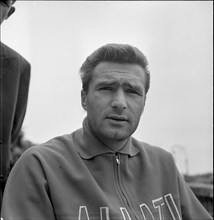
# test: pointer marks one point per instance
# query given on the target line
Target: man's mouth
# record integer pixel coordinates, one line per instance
(117, 118)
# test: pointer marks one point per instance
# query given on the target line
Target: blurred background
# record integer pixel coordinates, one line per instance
(177, 38)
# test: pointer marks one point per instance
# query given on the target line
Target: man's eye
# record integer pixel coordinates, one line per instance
(132, 91)
(106, 88)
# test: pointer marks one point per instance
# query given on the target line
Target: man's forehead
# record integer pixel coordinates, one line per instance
(108, 72)
(112, 66)
(114, 76)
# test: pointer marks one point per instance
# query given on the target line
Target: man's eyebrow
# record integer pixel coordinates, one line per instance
(106, 83)
(133, 85)
(126, 84)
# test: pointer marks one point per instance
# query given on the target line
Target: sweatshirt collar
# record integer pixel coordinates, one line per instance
(89, 146)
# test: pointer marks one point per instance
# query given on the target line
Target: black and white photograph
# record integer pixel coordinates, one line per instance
(106, 110)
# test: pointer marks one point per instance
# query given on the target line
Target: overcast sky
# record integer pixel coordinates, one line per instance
(176, 37)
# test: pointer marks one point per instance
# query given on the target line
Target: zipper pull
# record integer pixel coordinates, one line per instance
(117, 159)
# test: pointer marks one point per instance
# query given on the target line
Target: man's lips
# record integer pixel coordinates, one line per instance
(117, 117)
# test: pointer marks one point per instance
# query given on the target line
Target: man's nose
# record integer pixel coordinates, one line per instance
(119, 100)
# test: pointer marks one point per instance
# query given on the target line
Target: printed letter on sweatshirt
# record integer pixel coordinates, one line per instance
(147, 214)
(158, 203)
(104, 213)
(125, 214)
(172, 207)
(83, 213)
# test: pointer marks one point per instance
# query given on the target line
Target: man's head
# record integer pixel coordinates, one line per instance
(6, 9)
(117, 53)
(115, 82)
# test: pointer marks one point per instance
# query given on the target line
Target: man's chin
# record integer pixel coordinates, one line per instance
(117, 135)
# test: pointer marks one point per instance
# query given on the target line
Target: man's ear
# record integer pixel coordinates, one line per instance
(84, 99)
(10, 12)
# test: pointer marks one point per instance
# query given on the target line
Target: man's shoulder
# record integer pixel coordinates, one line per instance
(48, 155)
(7, 52)
(151, 150)
(156, 157)
(55, 147)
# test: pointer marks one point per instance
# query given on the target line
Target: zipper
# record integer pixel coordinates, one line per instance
(120, 187)
(117, 158)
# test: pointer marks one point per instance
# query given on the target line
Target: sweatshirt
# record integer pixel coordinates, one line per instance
(76, 177)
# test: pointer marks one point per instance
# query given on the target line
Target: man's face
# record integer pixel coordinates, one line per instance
(115, 100)
(6, 9)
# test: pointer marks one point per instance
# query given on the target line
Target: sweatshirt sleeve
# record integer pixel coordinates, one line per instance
(191, 207)
(26, 195)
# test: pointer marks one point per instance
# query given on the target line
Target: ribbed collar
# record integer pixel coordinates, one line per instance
(89, 146)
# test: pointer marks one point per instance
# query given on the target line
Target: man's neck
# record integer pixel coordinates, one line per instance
(114, 145)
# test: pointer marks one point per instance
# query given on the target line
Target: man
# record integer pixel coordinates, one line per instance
(14, 85)
(100, 171)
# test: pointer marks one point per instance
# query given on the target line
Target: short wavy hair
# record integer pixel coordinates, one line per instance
(117, 53)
